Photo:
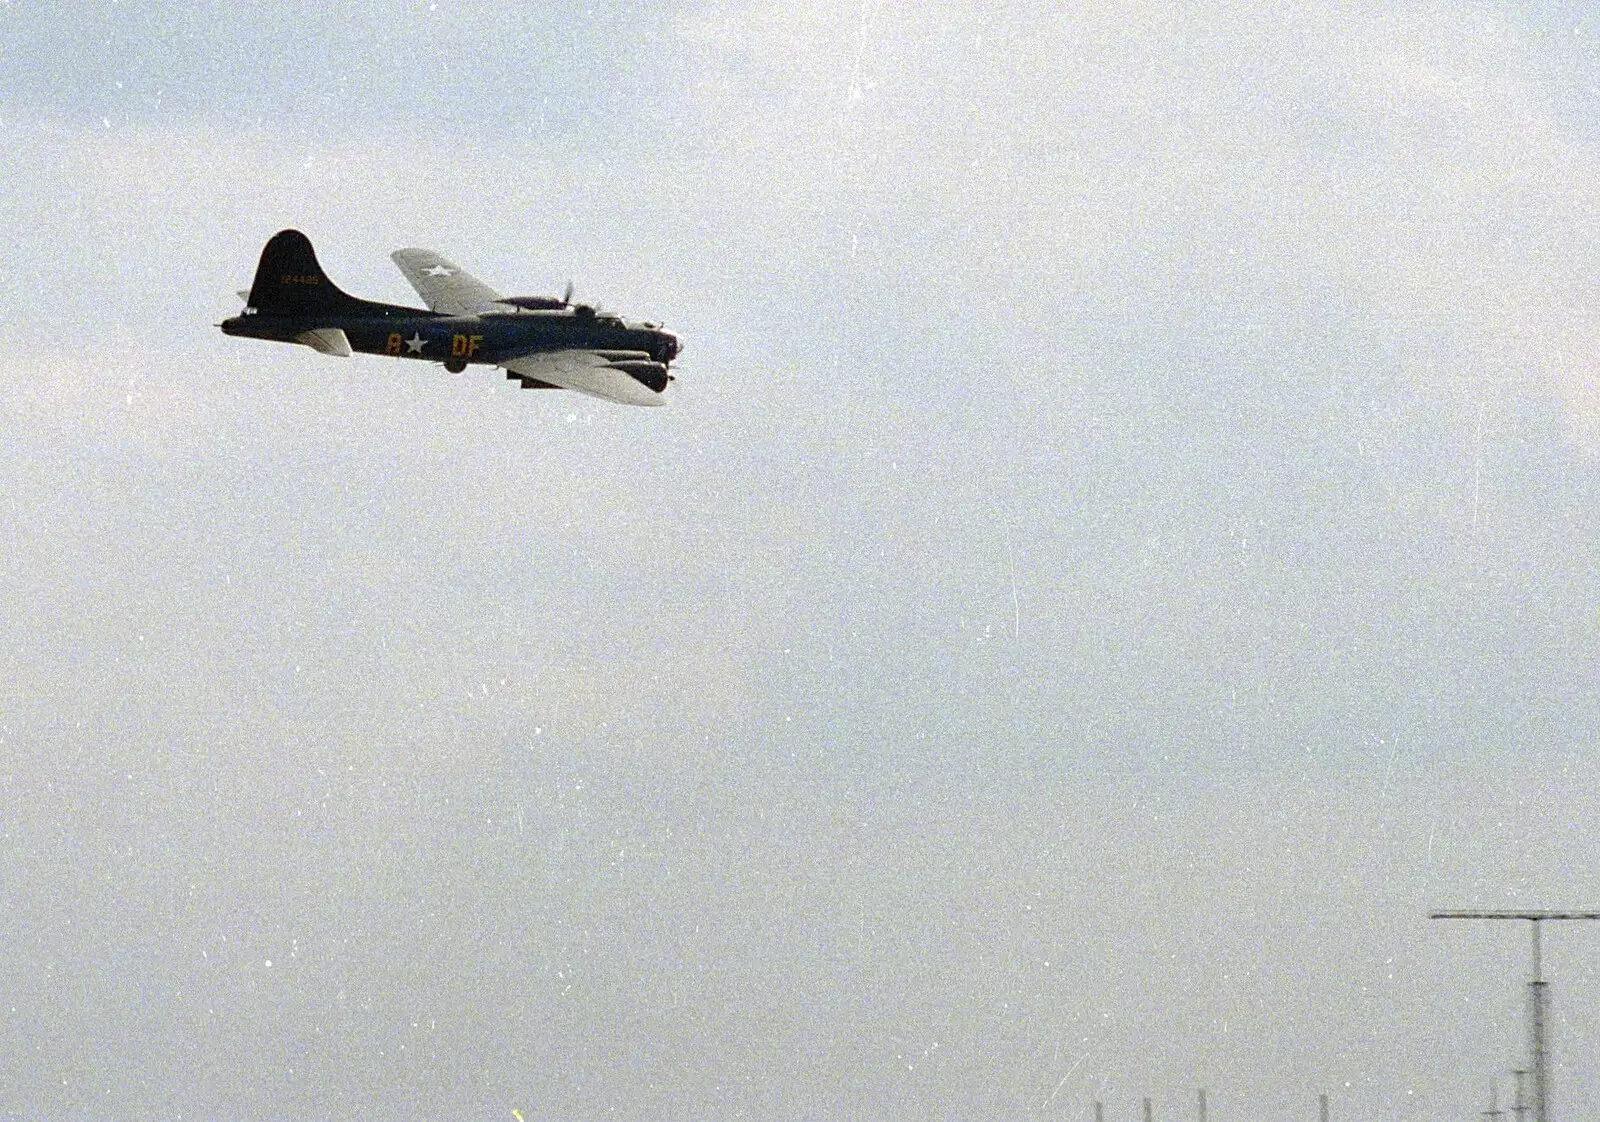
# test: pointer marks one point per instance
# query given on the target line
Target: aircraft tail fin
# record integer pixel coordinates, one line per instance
(290, 282)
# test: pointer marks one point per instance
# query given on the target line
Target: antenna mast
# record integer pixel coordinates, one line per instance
(1538, 999)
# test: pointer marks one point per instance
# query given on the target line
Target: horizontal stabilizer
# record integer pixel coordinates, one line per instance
(327, 340)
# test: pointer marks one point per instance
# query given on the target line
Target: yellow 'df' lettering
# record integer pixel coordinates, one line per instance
(392, 347)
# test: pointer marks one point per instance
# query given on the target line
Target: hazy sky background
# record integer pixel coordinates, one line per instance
(1121, 549)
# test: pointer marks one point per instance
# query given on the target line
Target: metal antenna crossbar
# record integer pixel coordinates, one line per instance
(1537, 999)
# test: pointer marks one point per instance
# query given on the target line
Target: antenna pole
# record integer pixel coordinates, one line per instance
(1494, 1113)
(1538, 998)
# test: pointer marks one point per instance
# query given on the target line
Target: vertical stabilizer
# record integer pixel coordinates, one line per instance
(290, 282)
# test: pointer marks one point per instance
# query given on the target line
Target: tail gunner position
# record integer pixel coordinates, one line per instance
(541, 341)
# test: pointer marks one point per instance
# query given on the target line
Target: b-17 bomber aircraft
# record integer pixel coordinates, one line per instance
(544, 342)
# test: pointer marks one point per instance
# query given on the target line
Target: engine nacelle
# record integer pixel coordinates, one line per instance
(535, 303)
(652, 374)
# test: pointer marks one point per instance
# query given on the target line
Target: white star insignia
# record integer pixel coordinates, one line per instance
(439, 271)
(415, 343)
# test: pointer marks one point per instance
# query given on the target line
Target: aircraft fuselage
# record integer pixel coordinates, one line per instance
(400, 332)
(541, 342)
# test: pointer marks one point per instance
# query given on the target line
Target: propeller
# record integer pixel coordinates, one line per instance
(551, 303)
(582, 309)
(542, 303)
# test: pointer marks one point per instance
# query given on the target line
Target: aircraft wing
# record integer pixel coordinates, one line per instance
(443, 285)
(601, 374)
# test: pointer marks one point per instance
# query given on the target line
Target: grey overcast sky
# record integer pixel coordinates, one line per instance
(1121, 549)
